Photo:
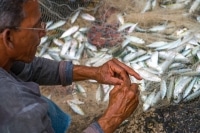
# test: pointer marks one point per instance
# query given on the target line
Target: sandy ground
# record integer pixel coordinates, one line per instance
(181, 118)
(93, 109)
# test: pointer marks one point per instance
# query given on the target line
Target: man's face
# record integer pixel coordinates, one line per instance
(25, 41)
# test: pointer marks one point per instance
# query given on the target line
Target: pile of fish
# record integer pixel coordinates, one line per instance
(170, 69)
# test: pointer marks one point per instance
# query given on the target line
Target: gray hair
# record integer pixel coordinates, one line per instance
(11, 13)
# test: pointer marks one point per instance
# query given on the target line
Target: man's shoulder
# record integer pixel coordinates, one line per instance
(5, 78)
(4, 73)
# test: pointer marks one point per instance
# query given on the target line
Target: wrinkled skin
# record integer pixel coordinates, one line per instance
(112, 72)
(124, 96)
(115, 72)
(123, 101)
(21, 44)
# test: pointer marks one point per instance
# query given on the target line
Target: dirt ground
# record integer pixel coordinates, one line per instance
(91, 107)
(182, 118)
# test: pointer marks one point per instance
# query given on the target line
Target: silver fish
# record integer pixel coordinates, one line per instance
(70, 31)
(99, 93)
(75, 108)
(189, 88)
(192, 96)
(87, 17)
(75, 16)
(56, 25)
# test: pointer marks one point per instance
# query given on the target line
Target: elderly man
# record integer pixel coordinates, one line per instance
(22, 108)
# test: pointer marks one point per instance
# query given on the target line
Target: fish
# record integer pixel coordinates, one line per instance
(189, 88)
(192, 96)
(70, 31)
(147, 103)
(132, 55)
(163, 67)
(125, 26)
(157, 44)
(80, 51)
(48, 24)
(81, 89)
(103, 60)
(135, 39)
(99, 93)
(56, 25)
(75, 16)
(106, 96)
(54, 55)
(141, 58)
(157, 98)
(76, 101)
(157, 28)
(125, 43)
(87, 17)
(44, 48)
(148, 76)
(180, 87)
(90, 46)
(170, 89)
(73, 48)
(132, 28)
(58, 42)
(163, 88)
(178, 57)
(75, 108)
(175, 6)
(43, 40)
(120, 18)
(147, 7)
(65, 48)
(194, 6)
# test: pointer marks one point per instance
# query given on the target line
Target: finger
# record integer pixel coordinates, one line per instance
(120, 71)
(114, 81)
(128, 69)
(115, 89)
(134, 88)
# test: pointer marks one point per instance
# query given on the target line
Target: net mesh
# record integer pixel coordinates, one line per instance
(60, 9)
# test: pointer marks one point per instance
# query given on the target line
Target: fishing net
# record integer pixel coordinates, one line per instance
(60, 9)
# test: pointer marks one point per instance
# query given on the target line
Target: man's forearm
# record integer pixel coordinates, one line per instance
(84, 73)
(109, 124)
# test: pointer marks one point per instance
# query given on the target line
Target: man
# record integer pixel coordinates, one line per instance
(22, 108)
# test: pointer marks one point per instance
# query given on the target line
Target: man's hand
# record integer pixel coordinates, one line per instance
(123, 101)
(114, 72)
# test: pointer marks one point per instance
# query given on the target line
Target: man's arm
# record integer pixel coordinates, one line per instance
(44, 71)
(122, 102)
(112, 72)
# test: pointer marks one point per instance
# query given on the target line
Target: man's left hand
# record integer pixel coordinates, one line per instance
(115, 72)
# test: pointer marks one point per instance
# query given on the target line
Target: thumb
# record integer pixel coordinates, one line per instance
(115, 89)
(134, 88)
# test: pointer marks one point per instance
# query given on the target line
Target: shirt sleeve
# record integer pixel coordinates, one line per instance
(93, 128)
(44, 71)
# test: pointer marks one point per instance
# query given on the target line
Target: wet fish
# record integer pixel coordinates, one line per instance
(70, 31)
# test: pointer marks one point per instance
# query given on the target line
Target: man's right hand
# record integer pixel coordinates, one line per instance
(123, 101)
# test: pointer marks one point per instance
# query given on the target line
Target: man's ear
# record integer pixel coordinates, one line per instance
(7, 39)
